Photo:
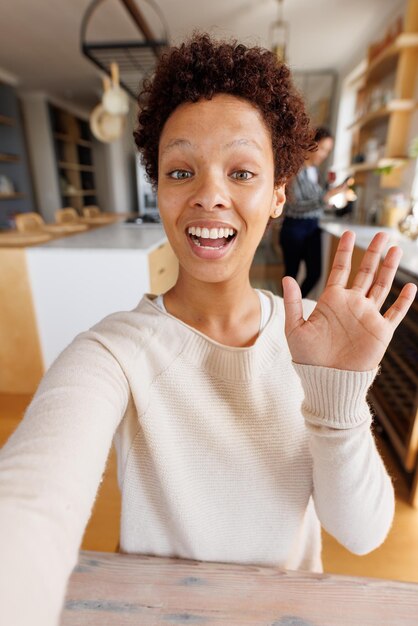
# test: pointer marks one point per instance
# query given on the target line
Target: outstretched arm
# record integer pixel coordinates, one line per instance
(50, 470)
(336, 352)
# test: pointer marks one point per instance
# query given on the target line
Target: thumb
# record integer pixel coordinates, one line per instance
(292, 299)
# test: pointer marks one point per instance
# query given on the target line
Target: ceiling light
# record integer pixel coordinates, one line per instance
(279, 35)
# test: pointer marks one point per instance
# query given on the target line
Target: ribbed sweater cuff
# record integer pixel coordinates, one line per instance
(335, 398)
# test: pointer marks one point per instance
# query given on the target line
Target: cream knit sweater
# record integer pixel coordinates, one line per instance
(224, 454)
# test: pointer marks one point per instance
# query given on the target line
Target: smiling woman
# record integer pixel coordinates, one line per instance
(215, 183)
(240, 419)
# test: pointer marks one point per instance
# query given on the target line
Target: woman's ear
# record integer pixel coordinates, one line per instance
(278, 200)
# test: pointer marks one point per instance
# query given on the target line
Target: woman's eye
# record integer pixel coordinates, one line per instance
(180, 174)
(242, 175)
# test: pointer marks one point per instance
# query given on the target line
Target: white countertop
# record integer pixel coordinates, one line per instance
(113, 237)
(364, 234)
(80, 279)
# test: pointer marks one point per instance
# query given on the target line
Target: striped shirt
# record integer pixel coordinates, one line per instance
(306, 197)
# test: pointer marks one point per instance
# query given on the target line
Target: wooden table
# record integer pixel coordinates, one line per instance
(121, 590)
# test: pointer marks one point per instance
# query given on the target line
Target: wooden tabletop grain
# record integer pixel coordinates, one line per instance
(122, 590)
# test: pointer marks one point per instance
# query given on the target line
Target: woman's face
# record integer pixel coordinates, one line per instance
(216, 186)
(324, 148)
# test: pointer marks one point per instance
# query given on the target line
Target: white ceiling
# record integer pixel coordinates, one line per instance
(39, 43)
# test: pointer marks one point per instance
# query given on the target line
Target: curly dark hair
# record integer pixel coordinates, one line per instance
(201, 68)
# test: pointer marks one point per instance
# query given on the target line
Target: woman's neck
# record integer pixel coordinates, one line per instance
(228, 313)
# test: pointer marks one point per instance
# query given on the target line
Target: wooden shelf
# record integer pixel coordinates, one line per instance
(380, 114)
(386, 61)
(11, 196)
(362, 167)
(75, 166)
(83, 192)
(9, 158)
(382, 163)
(70, 139)
(6, 120)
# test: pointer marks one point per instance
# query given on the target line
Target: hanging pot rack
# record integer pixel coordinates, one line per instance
(136, 59)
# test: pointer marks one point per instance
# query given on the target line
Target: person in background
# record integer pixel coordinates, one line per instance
(239, 418)
(300, 235)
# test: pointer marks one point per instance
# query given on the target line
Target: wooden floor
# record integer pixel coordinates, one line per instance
(396, 559)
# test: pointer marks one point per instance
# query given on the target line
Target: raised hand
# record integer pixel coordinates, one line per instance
(346, 330)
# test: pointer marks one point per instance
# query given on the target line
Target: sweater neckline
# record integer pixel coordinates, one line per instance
(230, 362)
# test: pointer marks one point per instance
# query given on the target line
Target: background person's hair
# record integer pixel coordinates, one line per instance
(322, 132)
(203, 67)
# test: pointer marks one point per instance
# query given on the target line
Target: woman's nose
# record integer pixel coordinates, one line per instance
(210, 192)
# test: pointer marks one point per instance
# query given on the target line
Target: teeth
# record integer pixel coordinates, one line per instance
(213, 233)
(197, 243)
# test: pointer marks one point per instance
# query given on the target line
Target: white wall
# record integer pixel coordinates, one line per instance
(104, 183)
(115, 171)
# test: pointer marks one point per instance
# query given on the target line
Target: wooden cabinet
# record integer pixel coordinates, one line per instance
(16, 192)
(394, 394)
(385, 104)
(74, 158)
(163, 268)
(21, 363)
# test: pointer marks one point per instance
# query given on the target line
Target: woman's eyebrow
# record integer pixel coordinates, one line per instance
(243, 142)
(185, 143)
(175, 143)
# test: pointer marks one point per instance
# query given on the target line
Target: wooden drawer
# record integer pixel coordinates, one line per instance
(21, 363)
(163, 268)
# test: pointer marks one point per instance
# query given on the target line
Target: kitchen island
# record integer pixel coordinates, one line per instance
(394, 394)
(53, 291)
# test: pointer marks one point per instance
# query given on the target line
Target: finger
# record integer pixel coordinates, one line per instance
(363, 280)
(384, 280)
(399, 308)
(341, 266)
(292, 299)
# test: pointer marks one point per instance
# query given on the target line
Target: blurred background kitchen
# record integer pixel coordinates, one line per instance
(79, 228)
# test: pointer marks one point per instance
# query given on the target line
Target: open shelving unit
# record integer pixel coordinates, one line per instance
(385, 105)
(386, 61)
(13, 163)
(74, 159)
(374, 117)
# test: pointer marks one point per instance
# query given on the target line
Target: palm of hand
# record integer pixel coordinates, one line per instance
(346, 330)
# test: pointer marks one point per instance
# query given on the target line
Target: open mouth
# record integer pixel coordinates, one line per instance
(210, 239)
